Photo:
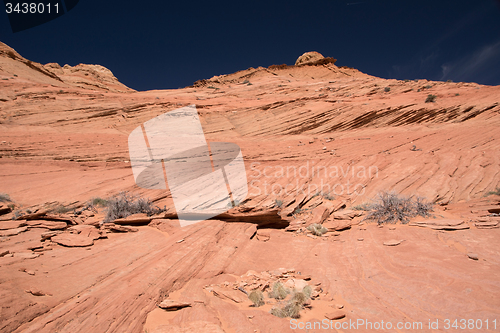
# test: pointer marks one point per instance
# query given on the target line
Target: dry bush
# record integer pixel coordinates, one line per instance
(299, 297)
(278, 312)
(99, 202)
(279, 291)
(391, 208)
(294, 305)
(292, 309)
(257, 298)
(125, 205)
(317, 229)
(307, 291)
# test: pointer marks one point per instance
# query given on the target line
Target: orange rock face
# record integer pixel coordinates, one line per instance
(319, 142)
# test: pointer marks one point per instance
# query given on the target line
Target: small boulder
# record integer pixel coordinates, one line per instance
(134, 219)
(392, 242)
(51, 225)
(347, 214)
(73, 240)
(171, 305)
(308, 58)
(472, 256)
(335, 315)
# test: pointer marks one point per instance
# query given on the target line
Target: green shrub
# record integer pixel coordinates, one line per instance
(100, 202)
(61, 209)
(391, 208)
(496, 192)
(317, 229)
(278, 203)
(387, 89)
(430, 99)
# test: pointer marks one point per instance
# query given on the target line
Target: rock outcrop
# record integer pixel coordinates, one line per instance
(319, 142)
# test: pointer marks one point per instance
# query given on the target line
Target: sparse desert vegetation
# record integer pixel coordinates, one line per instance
(125, 204)
(317, 229)
(257, 298)
(4, 197)
(391, 207)
(337, 120)
(495, 192)
(292, 307)
(430, 98)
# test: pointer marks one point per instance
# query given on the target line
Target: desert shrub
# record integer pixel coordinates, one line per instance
(422, 207)
(364, 206)
(257, 298)
(317, 229)
(300, 297)
(292, 309)
(294, 305)
(278, 312)
(61, 210)
(125, 205)
(495, 192)
(387, 89)
(278, 203)
(307, 291)
(100, 202)
(17, 214)
(328, 196)
(430, 98)
(297, 210)
(5, 198)
(279, 291)
(391, 208)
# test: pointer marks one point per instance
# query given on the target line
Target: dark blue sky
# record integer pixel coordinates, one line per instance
(171, 44)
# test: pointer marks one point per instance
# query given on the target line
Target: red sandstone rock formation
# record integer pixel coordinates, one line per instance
(63, 141)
